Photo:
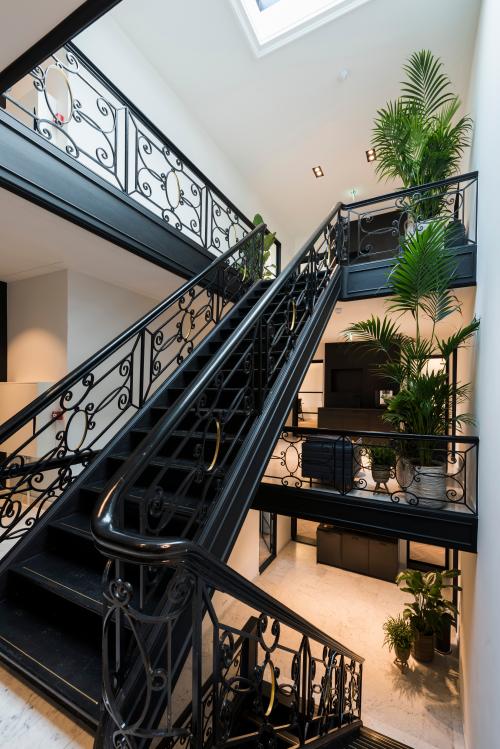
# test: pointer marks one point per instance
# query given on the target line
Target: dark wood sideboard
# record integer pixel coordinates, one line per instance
(367, 554)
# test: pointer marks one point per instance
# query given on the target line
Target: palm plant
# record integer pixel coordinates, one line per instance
(420, 281)
(418, 138)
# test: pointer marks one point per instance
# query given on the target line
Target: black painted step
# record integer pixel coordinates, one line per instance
(56, 646)
(369, 739)
(71, 579)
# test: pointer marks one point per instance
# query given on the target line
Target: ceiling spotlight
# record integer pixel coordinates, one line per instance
(318, 171)
(371, 155)
(343, 75)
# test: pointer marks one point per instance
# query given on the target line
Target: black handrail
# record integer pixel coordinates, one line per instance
(412, 190)
(466, 439)
(46, 399)
(135, 463)
(176, 553)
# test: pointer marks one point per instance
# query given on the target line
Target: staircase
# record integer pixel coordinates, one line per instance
(146, 505)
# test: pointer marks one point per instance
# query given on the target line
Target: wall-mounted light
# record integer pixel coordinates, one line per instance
(318, 171)
(371, 155)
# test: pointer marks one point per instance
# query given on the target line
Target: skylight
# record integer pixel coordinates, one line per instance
(272, 23)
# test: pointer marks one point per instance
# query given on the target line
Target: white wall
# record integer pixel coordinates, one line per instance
(97, 312)
(37, 328)
(480, 656)
(245, 554)
(112, 50)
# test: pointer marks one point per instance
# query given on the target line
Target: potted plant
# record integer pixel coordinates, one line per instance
(382, 459)
(419, 138)
(398, 637)
(420, 281)
(425, 614)
(254, 266)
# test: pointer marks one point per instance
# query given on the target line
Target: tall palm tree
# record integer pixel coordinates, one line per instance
(420, 282)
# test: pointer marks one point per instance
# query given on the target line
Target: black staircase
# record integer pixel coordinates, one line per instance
(186, 436)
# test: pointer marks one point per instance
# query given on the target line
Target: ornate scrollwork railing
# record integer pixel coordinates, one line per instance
(205, 430)
(72, 106)
(248, 681)
(47, 443)
(373, 229)
(437, 473)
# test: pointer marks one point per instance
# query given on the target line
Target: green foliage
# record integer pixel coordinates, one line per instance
(381, 455)
(417, 137)
(398, 633)
(269, 240)
(419, 281)
(428, 611)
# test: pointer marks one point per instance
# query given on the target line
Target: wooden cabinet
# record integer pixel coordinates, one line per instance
(358, 552)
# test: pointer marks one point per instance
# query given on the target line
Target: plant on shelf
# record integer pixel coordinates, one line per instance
(256, 266)
(419, 138)
(382, 460)
(398, 637)
(427, 613)
(420, 281)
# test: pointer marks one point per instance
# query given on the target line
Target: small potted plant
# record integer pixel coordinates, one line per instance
(382, 460)
(398, 637)
(425, 613)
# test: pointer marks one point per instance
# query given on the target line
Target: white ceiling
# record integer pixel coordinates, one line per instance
(34, 241)
(279, 115)
(25, 22)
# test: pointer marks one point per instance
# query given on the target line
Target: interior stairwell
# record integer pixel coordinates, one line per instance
(175, 480)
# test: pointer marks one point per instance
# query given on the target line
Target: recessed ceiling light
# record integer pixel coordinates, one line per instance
(371, 155)
(318, 171)
(343, 74)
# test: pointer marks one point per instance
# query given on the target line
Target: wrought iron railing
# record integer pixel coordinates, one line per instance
(225, 398)
(433, 472)
(373, 229)
(241, 685)
(44, 446)
(75, 108)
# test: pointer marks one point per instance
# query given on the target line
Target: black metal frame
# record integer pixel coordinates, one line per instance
(250, 671)
(453, 199)
(272, 532)
(3, 331)
(82, 17)
(406, 481)
(68, 424)
(266, 354)
(111, 138)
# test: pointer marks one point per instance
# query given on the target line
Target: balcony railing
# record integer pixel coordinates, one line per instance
(72, 106)
(373, 229)
(419, 471)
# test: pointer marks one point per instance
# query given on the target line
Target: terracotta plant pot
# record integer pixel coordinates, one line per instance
(402, 655)
(422, 648)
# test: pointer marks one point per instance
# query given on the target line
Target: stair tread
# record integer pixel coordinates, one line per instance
(56, 656)
(77, 582)
(369, 739)
(77, 522)
(137, 494)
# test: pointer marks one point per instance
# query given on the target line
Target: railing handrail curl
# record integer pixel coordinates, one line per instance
(115, 489)
(46, 399)
(177, 552)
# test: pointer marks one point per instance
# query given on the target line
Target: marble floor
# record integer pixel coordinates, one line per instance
(419, 707)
